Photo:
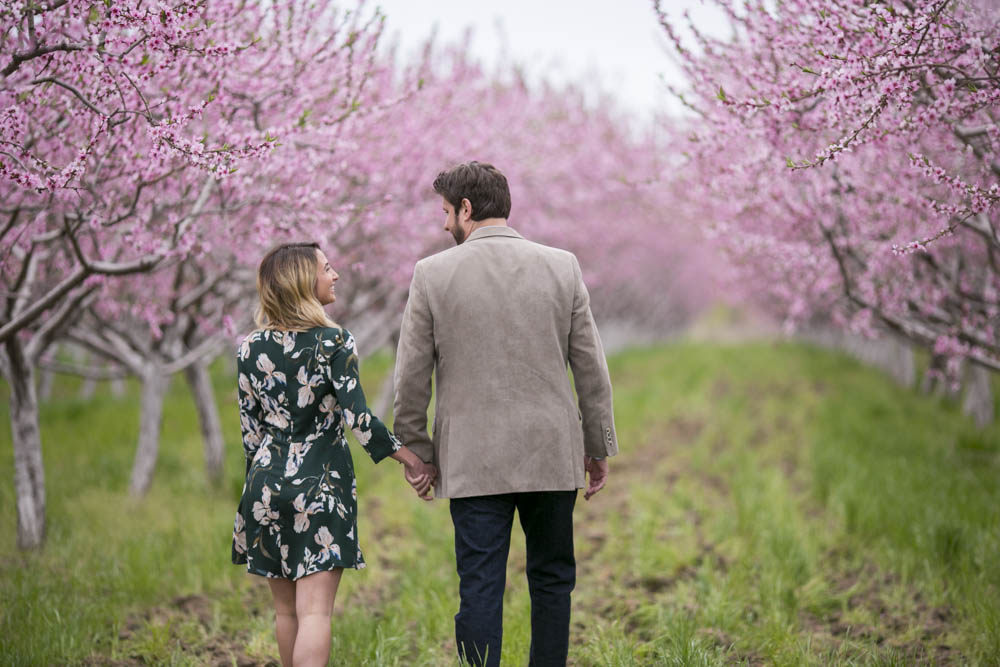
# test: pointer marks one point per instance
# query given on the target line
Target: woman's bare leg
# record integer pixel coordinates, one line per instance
(286, 625)
(314, 596)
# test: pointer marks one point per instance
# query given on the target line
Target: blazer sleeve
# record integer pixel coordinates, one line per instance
(414, 366)
(590, 375)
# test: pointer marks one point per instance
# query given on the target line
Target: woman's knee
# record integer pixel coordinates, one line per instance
(283, 593)
(315, 593)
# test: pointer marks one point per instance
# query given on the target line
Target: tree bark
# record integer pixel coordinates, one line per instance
(46, 379)
(154, 390)
(934, 380)
(88, 386)
(200, 382)
(900, 361)
(118, 387)
(29, 473)
(978, 401)
(384, 399)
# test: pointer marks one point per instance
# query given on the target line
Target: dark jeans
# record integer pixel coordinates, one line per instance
(482, 542)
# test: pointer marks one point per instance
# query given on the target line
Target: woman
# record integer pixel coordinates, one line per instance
(298, 387)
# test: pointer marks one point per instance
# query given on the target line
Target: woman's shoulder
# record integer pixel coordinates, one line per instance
(255, 339)
(336, 336)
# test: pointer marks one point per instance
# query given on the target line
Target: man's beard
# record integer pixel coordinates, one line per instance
(459, 234)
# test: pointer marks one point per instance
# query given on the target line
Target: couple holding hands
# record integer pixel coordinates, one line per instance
(496, 320)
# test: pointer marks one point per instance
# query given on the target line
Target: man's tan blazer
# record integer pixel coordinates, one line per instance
(497, 319)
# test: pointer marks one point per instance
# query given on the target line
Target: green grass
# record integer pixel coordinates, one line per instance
(771, 504)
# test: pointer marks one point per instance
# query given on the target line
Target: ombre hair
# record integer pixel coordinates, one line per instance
(286, 285)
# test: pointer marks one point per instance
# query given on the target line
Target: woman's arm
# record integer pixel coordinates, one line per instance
(373, 435)
(250, 417)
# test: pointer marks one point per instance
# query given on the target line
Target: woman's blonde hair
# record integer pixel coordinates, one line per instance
(286, 284)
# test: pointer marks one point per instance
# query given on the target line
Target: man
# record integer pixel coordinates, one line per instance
(497, 319)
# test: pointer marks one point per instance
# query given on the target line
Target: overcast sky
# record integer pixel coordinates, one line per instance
(617, 43)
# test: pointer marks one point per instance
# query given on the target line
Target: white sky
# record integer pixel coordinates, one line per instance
(618, 43)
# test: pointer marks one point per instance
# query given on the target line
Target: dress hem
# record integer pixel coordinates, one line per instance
(270, 575)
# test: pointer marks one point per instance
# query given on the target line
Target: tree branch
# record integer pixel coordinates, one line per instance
(87, 103)
(38, 51)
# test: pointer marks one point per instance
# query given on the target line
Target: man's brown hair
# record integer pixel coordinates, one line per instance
(482, 184)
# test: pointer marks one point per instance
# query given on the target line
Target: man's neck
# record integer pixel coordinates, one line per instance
(488, 222)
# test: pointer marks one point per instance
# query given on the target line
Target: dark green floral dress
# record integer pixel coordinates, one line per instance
(297, 392)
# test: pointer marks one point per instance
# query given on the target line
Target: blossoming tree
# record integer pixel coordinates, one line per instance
(128, 129)
(846, 154)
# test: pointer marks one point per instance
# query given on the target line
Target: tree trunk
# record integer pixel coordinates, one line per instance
(88, 386)
(29, 474)
(900, 362)
(200, 383)
(154, 390)
(934, 381)
(118, 387)
(978, 402)
(45, 381)
(383, 402)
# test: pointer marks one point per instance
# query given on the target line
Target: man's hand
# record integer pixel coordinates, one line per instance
(421, 477)
(597, 471)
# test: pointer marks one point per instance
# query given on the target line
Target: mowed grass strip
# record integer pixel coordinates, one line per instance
(771, 504)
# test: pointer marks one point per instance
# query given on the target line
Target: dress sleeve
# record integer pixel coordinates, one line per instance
(373, 435)
(250, 410)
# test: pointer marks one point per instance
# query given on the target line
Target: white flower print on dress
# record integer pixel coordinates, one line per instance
(285, 570)
(244, 351)
(328, 408)
(303, 512)
(251, 432)
(329, 548)
(239, 534)
(274, 413)
(263, 457)
(267, 367)
(296, 454)
(262, 512)
(306, 396)
(345, 381)
(287, 341)
(244, 385)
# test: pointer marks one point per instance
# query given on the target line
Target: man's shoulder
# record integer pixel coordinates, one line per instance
(558, 253)
(436, 258)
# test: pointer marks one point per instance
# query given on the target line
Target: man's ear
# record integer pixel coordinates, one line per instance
(466, 208)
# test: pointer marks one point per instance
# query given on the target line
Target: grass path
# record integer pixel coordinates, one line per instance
(772, 504)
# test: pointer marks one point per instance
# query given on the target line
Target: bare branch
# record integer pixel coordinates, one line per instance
(117, 351)
(89, 372)
(52, 326)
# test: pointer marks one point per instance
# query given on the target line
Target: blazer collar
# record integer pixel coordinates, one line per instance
(493, 230)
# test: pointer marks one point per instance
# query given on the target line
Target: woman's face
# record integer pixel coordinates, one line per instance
(326, 277)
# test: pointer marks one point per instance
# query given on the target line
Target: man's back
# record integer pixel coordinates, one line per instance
(496, 320)
(503, 316)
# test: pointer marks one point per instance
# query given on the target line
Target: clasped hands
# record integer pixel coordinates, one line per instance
(421, 476)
